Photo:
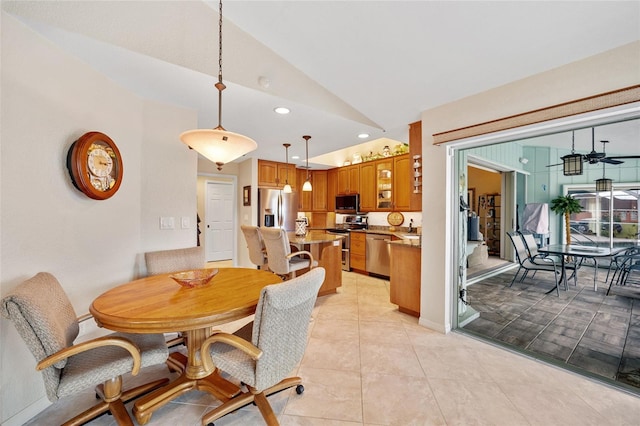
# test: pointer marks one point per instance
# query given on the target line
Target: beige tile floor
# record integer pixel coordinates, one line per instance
(368, 364)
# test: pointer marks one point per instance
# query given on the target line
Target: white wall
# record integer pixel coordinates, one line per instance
(49, 99)
(606, 72)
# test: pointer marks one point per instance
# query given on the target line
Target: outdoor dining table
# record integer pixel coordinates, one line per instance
(157, 304)
(565, 251)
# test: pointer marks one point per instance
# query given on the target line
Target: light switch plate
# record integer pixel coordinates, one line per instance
(167, 222)
(185, 222)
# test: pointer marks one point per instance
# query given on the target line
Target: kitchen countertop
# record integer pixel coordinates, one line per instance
(410, 243)
(402, 235)
(313, 237)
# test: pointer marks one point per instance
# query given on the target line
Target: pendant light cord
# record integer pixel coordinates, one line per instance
(306, 139)
(220, 85)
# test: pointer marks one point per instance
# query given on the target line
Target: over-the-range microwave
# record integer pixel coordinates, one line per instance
(348, 203)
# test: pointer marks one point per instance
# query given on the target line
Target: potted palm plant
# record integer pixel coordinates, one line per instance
(565, 205)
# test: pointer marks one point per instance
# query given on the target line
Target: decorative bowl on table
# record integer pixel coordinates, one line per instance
(194, 278)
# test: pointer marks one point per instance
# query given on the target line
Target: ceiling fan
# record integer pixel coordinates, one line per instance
(572, 163)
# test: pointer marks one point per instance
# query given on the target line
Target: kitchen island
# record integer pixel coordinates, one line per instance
(404, 279)
(326, 249)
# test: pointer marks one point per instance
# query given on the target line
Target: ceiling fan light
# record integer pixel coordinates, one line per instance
(603, 185)
(572, 164)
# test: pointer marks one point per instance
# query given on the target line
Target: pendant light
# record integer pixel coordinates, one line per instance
(307, 184)
(218, 145)
(572, 163)
(604, 184)
(287, 187)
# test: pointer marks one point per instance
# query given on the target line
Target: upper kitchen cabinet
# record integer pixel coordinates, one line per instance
(368, 187)
(272, 174)
(384, 184)
(332, 189)
(319, 192)
(402, 188)
(315, 200)
(349, 179)
(304, 198)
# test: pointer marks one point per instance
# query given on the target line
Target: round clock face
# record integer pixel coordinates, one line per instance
(95, 165)
(395, 218)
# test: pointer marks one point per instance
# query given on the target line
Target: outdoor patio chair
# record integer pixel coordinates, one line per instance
(526, 264)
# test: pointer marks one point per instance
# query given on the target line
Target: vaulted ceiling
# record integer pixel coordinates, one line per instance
(342, 67)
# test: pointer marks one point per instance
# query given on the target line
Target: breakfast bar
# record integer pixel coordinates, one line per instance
(326, 249)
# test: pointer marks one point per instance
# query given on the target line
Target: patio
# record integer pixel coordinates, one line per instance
(582, 330)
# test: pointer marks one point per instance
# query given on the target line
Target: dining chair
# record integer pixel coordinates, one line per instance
(277, 345)
(174, 260)
(46, 320)
(282, 260)
(526, 264)
(617, 260)
(628, 264)
(257, 251)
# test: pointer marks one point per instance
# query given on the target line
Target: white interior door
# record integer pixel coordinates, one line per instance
(220, 221)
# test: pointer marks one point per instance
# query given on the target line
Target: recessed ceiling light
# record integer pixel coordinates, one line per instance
(295, 157)
(282, 110)
(363, 135)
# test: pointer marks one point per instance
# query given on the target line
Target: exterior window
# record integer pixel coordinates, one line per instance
(599, 216)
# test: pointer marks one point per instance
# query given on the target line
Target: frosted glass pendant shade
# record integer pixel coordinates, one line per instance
(218, 145)
(307, 186)
(287, 189)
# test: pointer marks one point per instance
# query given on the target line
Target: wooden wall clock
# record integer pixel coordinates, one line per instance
(95, 165)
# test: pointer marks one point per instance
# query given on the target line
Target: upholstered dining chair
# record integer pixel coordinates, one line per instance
(278, 342)
(46, 320)
(281, 260)
(526, 264)
(165, 261)
(174, 260)
(257, 251)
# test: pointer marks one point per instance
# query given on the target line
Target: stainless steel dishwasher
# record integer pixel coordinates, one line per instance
(377, 259)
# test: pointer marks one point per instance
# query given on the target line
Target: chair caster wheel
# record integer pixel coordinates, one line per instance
(299, 389)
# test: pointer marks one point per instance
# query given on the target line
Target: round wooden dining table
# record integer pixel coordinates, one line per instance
(158, 304)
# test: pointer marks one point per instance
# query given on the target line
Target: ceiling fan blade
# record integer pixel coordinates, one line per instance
(610, 160)
(625, 156)
(553, 165)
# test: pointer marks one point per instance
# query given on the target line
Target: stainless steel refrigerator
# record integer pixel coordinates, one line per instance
(275, 208)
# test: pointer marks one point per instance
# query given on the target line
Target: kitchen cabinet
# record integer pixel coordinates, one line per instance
(319, 193)
(316, 199)
(367, 187)
(357, 250)
(332, 189)
(349, 179)
(305, 202)
(402, 187)
(404, 278)
(384, 184)
(272, 174)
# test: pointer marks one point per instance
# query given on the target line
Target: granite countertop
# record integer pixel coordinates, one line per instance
(410, 243)
(399, 234)
(313, 238)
